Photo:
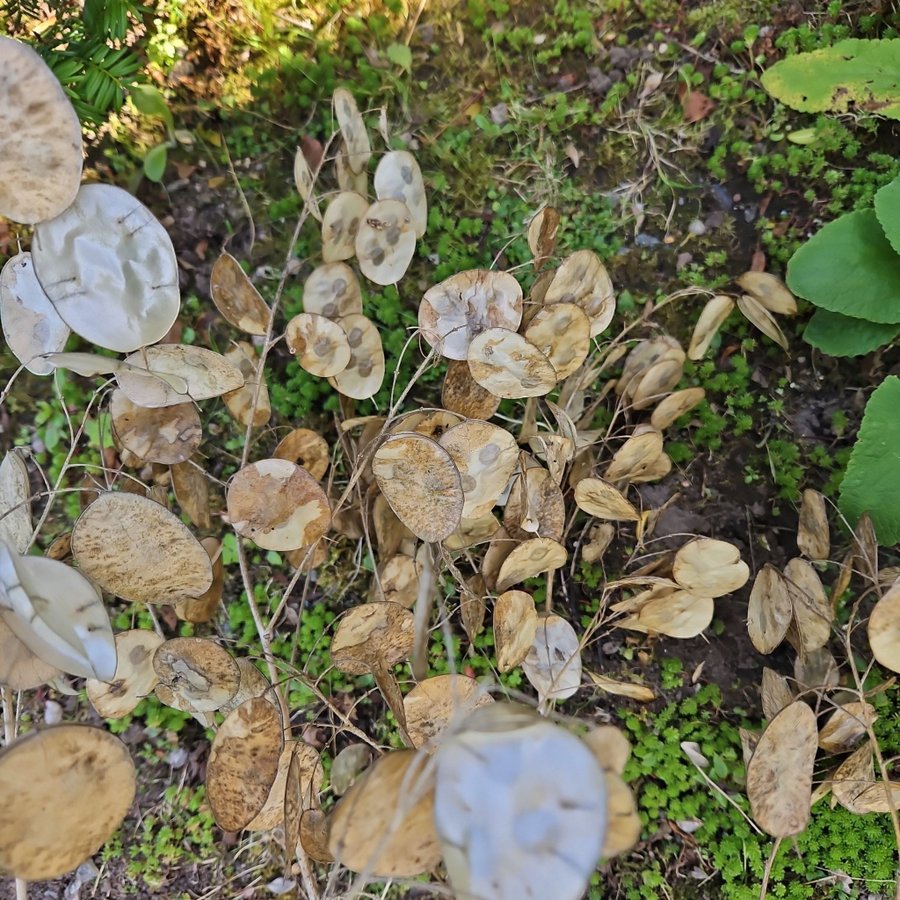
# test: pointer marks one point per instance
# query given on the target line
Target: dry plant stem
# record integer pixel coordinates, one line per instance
(424, 604)
(767, 873)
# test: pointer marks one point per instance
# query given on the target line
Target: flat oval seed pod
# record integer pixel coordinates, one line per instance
(677, 614)
(398, 581)
(320, 345)
(385, 242)
(272, 813)
(812, 609)
(203, 608)
(304, 181)
(535, 506)
(305, 448)
(420, 481)
(433, 423)
(384, 824)
(364, 374)
(709, 567)
(716, 311)
(779, 775)
(434, 704)
(760, 317)
(120, 290)
(240, 402)
(542, 232)
(462, 394)
(642, 357)
(243, 763)
(769, 611)
(73, 785)
(347, 767)
(515, 625)
(846, 727)
(530, 558)
(347, 179)
(20, 668)
(136, 549)
(770, 291)
(340, 225)
(15, 502)
(582, 279)
(509, 366)
(562, 332)
(134, 678)
(538, 830)
(203, 372)
(813, 538)
(674, 406)
(332, 291)
(884, 629)
(31, 324)
(602, 500)
(553, 662)
(252, 684)
(774, 693)
(191, 489)
(657, 381)
(40, 138)
(166, 435)
(486, 457)
(236, 297)
(372, 635)
(278, 505)
(636, 457)
(200, 675)
(398, 177)
(473, 531)
(458, 309)
(353, 129)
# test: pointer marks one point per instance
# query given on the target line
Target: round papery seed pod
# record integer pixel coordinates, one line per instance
(40, 138)
(353, 130)
(120, 291)
(509, 366)
(462, 394)
(458, 309)
(340, 225)
(320, 345)
(364, 374)
(385, 242)
(332, 291)
(582, 279)
(236, 297)
(398, 177)
(562, 332)
(200, 675)
(166, 435)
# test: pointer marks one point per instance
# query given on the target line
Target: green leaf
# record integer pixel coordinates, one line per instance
(155, 162)
(872, 482)
(865, 72)
(400, 55)
(839, 335)
(887, 208)
(849, 267)
(149, 101)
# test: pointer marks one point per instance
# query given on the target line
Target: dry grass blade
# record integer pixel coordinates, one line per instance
(236, 297)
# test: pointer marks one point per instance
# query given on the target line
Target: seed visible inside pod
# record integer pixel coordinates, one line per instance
(320, 345)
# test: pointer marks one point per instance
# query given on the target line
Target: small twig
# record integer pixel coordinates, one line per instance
(767, 873)
(243, 197)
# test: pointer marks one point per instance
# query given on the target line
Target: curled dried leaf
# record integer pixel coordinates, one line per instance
(846, 726)
(637, 457)
(304, 180)
(535, 506)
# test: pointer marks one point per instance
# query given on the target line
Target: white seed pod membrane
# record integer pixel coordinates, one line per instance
(166, 435)
(562, 332)
(582, 279)
(340, 225)
(779, 775)
(202, 373)
(398, 177)
(40, 138)
(57, 613)
(770, 291)
(278, 505)
(384, 825)
(884, 629)
(510, 366)
(353, 129)
(553, 663)
(364, 374)
(486, 457)
(453, 312)
(31, 324)
(134, 677)
(709, 567)
(320, 345)
(15, 502)
(537, 830)
(716, 311)
(421, 483)
(385, 242)
(66, 789)
(236, 297)
(120, 289)
(135, 548)
(332, 291)
(195, 674)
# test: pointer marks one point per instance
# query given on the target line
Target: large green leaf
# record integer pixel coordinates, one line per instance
(849, 267)
(872, 482)
(864, 72)
(839, 335)
(887, 208)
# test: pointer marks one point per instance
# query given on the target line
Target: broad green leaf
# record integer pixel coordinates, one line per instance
(148, 100)
(887, 208)
(155, 162)
(863, 72)
(872, 482)
(839, 335)
(849, 267)
(400, 55)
